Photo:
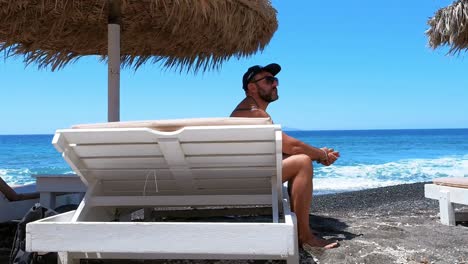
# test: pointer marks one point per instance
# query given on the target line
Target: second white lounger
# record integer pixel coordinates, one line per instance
(448, 191)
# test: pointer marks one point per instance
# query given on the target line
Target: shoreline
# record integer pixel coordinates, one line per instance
(394, 224)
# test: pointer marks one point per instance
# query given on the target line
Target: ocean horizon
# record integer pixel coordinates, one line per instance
(369, 158)
(292, 129)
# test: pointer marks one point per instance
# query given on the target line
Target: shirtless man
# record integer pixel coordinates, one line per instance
(261, 88)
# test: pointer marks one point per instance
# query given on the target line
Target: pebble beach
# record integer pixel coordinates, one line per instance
(395, 224)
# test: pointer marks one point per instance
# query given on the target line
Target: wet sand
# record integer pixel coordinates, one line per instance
(385, 225)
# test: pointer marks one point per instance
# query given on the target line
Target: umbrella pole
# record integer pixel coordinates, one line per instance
(113, 50)
(113, 110)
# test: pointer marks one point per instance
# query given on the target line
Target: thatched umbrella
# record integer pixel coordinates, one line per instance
(183, 34)
(449, 26)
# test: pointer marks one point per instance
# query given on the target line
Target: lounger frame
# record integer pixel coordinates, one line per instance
(15, 210)
(448, 196)
(132, 168)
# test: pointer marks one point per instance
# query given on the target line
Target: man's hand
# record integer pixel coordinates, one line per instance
(332, 156)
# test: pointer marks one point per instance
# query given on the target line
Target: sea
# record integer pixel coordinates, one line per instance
(369, 158)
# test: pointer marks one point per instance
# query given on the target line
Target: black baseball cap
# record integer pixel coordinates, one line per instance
(272, 68)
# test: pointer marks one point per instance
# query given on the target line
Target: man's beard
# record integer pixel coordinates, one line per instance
(271, 97)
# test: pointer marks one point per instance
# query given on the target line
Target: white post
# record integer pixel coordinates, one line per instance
(113, 99)
(47, 199)
(447, 214)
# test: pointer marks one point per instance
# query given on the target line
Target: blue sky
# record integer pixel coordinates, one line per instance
(346, 65)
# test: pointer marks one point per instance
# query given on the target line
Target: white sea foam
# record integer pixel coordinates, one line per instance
(21, 176)
(16, 176)
(338, 178)
(334, 185)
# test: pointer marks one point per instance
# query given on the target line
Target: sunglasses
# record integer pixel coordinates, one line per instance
(269, 80)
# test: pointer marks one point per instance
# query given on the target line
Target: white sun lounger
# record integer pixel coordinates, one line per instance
(14, 210)
(196, 163)
(449, 191)
(50, 186)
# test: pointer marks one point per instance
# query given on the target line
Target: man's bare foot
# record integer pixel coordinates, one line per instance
(322, 243)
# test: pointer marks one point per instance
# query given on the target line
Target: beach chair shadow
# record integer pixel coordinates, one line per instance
(331, 228)
(449, 191)
(132, 167)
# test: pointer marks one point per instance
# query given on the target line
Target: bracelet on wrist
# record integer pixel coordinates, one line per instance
(326, 156)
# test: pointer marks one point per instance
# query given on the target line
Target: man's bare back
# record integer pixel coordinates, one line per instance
(248, 108)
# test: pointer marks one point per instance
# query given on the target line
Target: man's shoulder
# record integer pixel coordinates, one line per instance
(250, 113)
(259, 113)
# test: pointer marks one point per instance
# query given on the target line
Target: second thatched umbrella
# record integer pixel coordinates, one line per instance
(182, 34)
(449, 26)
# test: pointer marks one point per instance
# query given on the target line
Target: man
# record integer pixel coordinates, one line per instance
(261, 88)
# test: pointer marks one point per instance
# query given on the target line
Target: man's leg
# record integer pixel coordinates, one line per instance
(297, 169)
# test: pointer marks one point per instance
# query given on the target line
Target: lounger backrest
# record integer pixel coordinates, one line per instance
(193, 160)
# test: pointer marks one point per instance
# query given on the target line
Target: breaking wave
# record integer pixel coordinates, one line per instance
(338, 178)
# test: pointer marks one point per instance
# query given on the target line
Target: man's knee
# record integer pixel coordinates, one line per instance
(294, 165)
(304, 161)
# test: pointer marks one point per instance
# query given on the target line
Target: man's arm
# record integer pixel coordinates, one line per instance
(294, 146)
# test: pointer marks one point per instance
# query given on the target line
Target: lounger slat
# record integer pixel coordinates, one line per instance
(152, 149)
(139, 185)
(149, 149)
(152, 184)
(131, 174)
(196, 161)
(152, 192)
(228, 184)
(198, 173)
(242, 172)
(228, 148)
(241, 239)
(146, 135)
(244, 160)
(228, 133)
(457, 195)
(165, 174)
(181, 200)
(109, 136)
(125, 163)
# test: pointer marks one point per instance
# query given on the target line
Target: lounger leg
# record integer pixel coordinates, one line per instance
(47, 199)
(62, 258)
(447, 215)
(461, 217)
(66, 258)
(147, 213)
(293, 259)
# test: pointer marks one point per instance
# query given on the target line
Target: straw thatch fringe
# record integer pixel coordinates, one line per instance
(181, 34)
(449, 26)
